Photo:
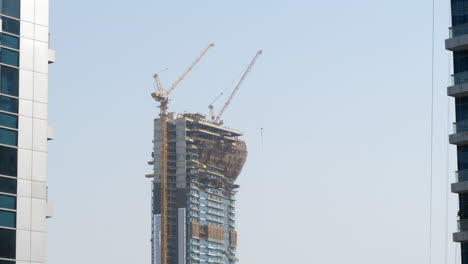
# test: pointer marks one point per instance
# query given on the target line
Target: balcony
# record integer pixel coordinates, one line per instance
(460, 133)
(459, 86)
(462, 234)
(461, 184)
(458, 38)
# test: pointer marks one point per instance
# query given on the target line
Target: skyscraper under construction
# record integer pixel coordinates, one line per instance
(204, 160)
(196, 163)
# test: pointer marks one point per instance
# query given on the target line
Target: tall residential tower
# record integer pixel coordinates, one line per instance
(204, 160)
(24, 131)
(458, 44)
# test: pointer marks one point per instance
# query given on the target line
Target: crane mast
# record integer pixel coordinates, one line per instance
(162, 97)
(211, 107)
(244, 76)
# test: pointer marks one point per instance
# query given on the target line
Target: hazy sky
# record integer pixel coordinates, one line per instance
(342, 90)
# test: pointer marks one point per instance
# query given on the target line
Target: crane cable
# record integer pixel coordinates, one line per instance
(233, 82)
(447, 179)
(432, 132)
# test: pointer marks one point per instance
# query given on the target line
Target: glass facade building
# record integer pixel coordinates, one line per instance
(204, 161)
(24, 132)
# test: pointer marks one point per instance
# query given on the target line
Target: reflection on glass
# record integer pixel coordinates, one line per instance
(9, 57)
(7, 202)
(8, 137)
(10, 8)
(8, 104)
(7, 219)
(8, 120)
(10, 25)
(8, 248)
(9, 80)
(7, 185)
(9, 41)
(8, 161)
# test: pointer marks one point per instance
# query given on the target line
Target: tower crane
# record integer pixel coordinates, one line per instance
(216, 119)
(162, 96)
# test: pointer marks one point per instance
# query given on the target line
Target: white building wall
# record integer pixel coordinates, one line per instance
(157, 239)
(32, 207)
(181, 235)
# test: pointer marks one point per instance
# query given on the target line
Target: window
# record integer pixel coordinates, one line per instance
(459, 4)
(10, 8)
(193, 213)
(462, 161)
(461, 106)
(8, 161)
(7, 202)
(460, 61)
(10, 25)
(8, 104)
(9, 80)
(9, 41)
(9, 57)
(6, 262)
(7, 185)
(464, 251)
(8, 137)
(7, 219)
(8, 120)
(459, 16)
(8, 245)
(456, 4)
(463, 199)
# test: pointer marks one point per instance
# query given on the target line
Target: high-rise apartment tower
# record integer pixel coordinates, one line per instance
(204, 160)
(24, 131)
(458, 44)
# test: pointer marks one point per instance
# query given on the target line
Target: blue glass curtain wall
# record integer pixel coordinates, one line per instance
(10, 57)
(8, 243)
(8, 104)
(460, 61)
(7, 219)
(8, 137)
(10, 25)
(9, 41)
(464, 252)
(8, 185)
(9, 91)
(9, 80)
(8, 161)
(461, 107)
(10, 8)
(7, 202)
(463, 200)
(459, 12)
(8, 120)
